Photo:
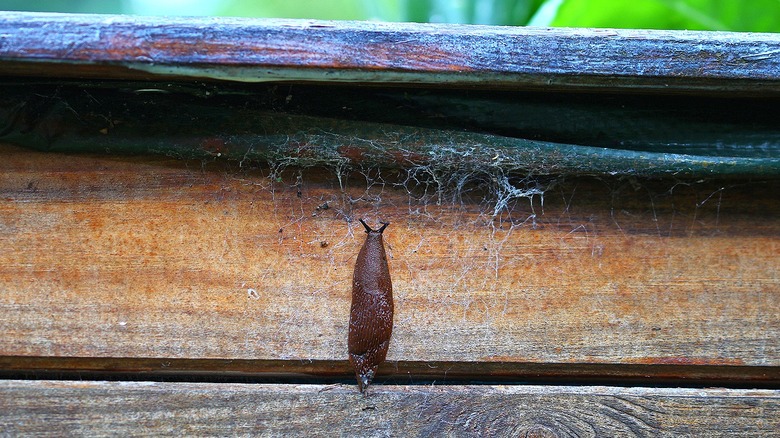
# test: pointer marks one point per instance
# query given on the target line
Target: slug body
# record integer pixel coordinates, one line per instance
(371, 316)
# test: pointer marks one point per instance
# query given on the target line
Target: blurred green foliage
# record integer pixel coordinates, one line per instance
(732, 15)
(76, 6)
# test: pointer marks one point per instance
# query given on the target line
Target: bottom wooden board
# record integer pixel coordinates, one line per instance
(56, 408)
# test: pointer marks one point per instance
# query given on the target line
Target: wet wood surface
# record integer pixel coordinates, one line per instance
(151, 257)
(51, 408)
(253, 50)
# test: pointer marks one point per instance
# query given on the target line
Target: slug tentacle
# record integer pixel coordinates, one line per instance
(371, 315)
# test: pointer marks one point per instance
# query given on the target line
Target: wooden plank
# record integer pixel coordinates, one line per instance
(152, 257)
(57, 408)
(303, 50)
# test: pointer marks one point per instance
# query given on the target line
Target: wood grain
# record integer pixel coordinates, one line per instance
(50, 408)
(255, 50)
(151, 257)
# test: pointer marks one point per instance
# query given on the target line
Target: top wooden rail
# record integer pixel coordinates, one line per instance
(254, 50)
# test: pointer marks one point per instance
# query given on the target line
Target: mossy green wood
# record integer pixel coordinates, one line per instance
(415, 130)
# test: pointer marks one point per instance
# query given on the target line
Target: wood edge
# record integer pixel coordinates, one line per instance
(379, 26)
(349, 390)
(564, 83)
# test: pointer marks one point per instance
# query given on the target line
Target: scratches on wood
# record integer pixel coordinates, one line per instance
(255, 50)
(57, 408)
(153, 257)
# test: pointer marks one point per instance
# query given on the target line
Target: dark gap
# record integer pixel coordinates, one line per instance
(390, 373)
(39, 112)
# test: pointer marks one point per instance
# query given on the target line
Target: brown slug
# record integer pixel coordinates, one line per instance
(371, 316)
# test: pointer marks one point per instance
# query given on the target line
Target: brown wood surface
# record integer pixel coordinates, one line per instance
(252, 50)
(151, 257)
(51, 408)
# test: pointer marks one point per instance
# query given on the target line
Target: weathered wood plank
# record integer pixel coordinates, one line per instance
(52, 408)
(304, 50)
(158, 258)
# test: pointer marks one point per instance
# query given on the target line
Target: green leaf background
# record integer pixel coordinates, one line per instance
(731, 15)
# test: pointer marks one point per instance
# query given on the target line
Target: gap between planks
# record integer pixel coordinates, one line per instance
(393, 372)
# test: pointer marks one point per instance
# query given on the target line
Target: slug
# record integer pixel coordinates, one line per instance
(371, 316)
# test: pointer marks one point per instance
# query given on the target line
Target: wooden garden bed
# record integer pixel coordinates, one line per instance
(569, 208)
